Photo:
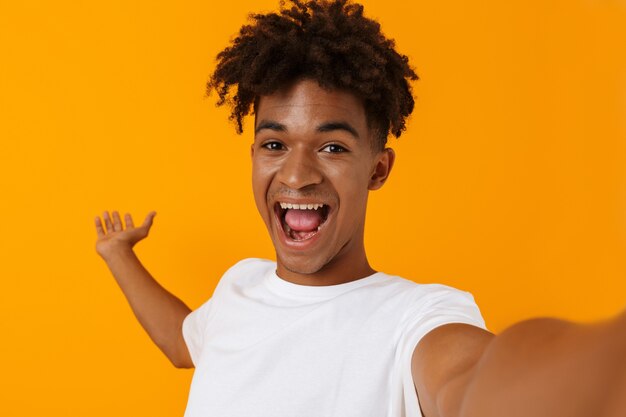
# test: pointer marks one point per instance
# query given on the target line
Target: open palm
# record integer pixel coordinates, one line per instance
(112, 235)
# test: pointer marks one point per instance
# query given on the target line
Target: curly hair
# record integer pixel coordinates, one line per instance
(329, 41)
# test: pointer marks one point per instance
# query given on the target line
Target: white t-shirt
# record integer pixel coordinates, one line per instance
(265, 347)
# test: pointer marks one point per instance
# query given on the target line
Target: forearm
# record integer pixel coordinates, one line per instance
(550, 368)
(159, 312)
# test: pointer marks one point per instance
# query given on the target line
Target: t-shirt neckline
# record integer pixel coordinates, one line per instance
(283, 287)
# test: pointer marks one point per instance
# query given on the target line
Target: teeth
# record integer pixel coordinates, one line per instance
(315, 206)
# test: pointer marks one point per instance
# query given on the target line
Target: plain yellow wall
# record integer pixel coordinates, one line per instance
(509, 183)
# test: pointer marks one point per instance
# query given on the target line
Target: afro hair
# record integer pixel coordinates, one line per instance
(330, 42)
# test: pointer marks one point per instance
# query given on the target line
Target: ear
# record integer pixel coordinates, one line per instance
(382, 169)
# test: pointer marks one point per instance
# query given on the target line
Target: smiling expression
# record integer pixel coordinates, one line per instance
(313, 166)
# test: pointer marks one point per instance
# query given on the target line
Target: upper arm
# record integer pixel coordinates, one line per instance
(442, 364)
(192, 332)
(182, 352)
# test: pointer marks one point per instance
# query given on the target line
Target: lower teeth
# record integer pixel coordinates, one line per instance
(294, 235)
(307, 235)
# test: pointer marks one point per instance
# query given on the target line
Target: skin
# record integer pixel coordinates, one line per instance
(314, 146)
(158, 311)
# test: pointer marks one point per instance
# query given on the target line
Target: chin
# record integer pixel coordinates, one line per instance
(301, 265)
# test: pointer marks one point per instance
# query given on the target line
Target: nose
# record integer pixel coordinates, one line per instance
(300, 169)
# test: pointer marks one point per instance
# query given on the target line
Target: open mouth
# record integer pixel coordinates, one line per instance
(301, 221)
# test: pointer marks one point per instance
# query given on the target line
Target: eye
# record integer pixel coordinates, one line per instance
(334, 148)
(273, 146)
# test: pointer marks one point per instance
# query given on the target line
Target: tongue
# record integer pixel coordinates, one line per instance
(303, 220)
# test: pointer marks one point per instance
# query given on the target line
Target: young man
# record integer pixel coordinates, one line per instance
(319, 332)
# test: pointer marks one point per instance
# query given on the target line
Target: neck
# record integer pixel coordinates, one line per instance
(339, 270)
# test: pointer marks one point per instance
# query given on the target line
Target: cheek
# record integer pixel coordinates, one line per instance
(261, 181)
(353, 195)
(259, 191)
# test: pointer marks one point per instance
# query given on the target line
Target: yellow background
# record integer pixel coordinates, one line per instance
(509, 183)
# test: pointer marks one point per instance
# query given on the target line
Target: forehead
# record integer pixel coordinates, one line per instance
(305, 102)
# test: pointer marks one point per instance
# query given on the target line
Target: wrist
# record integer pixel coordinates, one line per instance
(117, 252)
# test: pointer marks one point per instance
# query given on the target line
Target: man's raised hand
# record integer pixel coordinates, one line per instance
(113, 236)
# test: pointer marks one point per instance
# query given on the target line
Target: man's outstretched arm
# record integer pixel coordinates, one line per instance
(538, 368)
(160, 313)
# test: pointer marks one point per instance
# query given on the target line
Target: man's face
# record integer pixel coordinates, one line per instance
(313, 165)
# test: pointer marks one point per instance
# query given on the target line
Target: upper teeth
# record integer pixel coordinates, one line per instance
(301, 206)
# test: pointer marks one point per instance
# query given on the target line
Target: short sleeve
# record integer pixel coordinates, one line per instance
(440, 305)
(194, 329)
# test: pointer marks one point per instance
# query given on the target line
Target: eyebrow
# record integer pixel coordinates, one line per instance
(332, 126)
(324, 127)
(270, 125)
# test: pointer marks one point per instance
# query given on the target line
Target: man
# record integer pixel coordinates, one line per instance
(319, 332)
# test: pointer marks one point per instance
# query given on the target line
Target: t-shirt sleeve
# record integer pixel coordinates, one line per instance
(197, 324)
(194, 329)
(441, 305)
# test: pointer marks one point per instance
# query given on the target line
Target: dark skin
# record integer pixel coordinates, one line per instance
(314, 146)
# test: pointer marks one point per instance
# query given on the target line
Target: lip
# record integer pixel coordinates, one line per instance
(299, 245)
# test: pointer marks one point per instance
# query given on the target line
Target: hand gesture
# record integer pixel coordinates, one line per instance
(114, 237)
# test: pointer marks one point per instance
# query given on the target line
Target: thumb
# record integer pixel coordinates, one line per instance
(147, 223)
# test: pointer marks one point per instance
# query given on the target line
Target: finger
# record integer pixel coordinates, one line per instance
(107, 222)
(129, 221)
(117, 222)
(147, 223)
(99, 228)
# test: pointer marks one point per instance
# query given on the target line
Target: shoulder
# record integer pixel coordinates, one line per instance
(447, 337)
(240, 274)
(438, 297)
(423, 311)
(436, 305)
(251, 265)
(249, 269)
(430, 298)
